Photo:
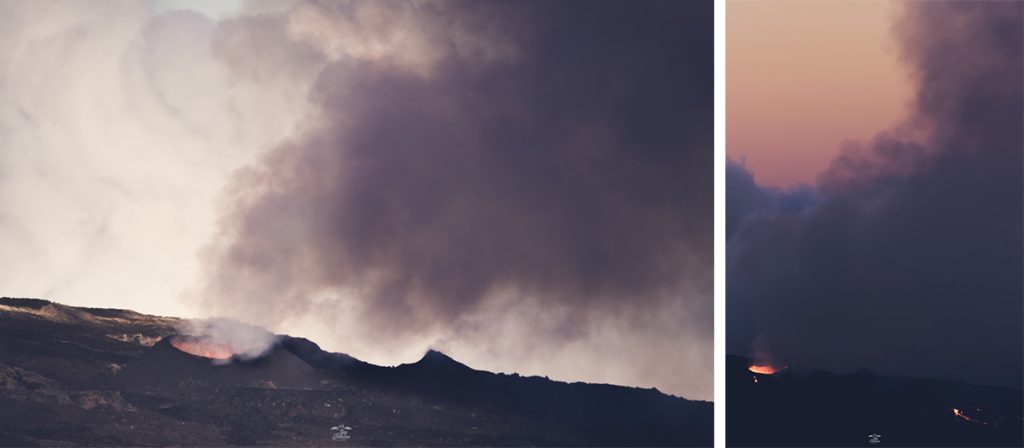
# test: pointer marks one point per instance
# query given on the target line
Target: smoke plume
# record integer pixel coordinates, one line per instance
(242, 341)
(527, 184)
(906, 258)
(119, 125)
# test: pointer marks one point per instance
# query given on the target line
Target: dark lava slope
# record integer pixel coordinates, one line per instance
(84, 376)
(815, 408)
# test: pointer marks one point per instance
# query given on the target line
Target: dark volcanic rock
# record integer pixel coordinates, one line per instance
(84, 376)
(801, 407)
(164, 367)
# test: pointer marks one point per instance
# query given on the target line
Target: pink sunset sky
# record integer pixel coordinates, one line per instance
(803, 77)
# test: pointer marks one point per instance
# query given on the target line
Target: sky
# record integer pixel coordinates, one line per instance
(525, 186)
(902, 254)
(804, 77)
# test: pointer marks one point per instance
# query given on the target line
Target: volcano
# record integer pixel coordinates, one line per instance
(87, 376)
(804, 407)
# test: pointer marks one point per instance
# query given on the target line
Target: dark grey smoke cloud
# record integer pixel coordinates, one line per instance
(564, 163)
(908, 258)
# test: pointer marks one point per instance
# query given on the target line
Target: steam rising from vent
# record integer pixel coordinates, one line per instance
(223, 339)
(203, 347)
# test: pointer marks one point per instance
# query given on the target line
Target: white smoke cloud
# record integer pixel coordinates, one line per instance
(415, 36)
(243, 340)
(118, 127)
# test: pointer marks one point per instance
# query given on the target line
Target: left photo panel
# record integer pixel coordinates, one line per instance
(356, 223)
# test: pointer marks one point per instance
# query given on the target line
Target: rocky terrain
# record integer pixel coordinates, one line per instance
(805, 407)
(85, 376)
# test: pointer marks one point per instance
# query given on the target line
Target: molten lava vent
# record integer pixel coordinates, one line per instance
(765, 369)
(202, 346)
(960, 415)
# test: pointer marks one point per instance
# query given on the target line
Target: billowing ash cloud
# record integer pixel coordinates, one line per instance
(528, 184)
(908, 257)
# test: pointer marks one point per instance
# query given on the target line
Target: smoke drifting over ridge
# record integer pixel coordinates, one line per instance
(526, 184)
(907, 256)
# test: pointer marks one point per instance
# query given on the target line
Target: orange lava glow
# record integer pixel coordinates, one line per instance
(763, 369)
(202, 347)
(959, 414)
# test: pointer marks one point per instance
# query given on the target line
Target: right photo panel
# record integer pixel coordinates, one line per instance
(875, 223)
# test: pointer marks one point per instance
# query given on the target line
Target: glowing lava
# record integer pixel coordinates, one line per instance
(763, 369)
(959, 414)
(203, 347)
